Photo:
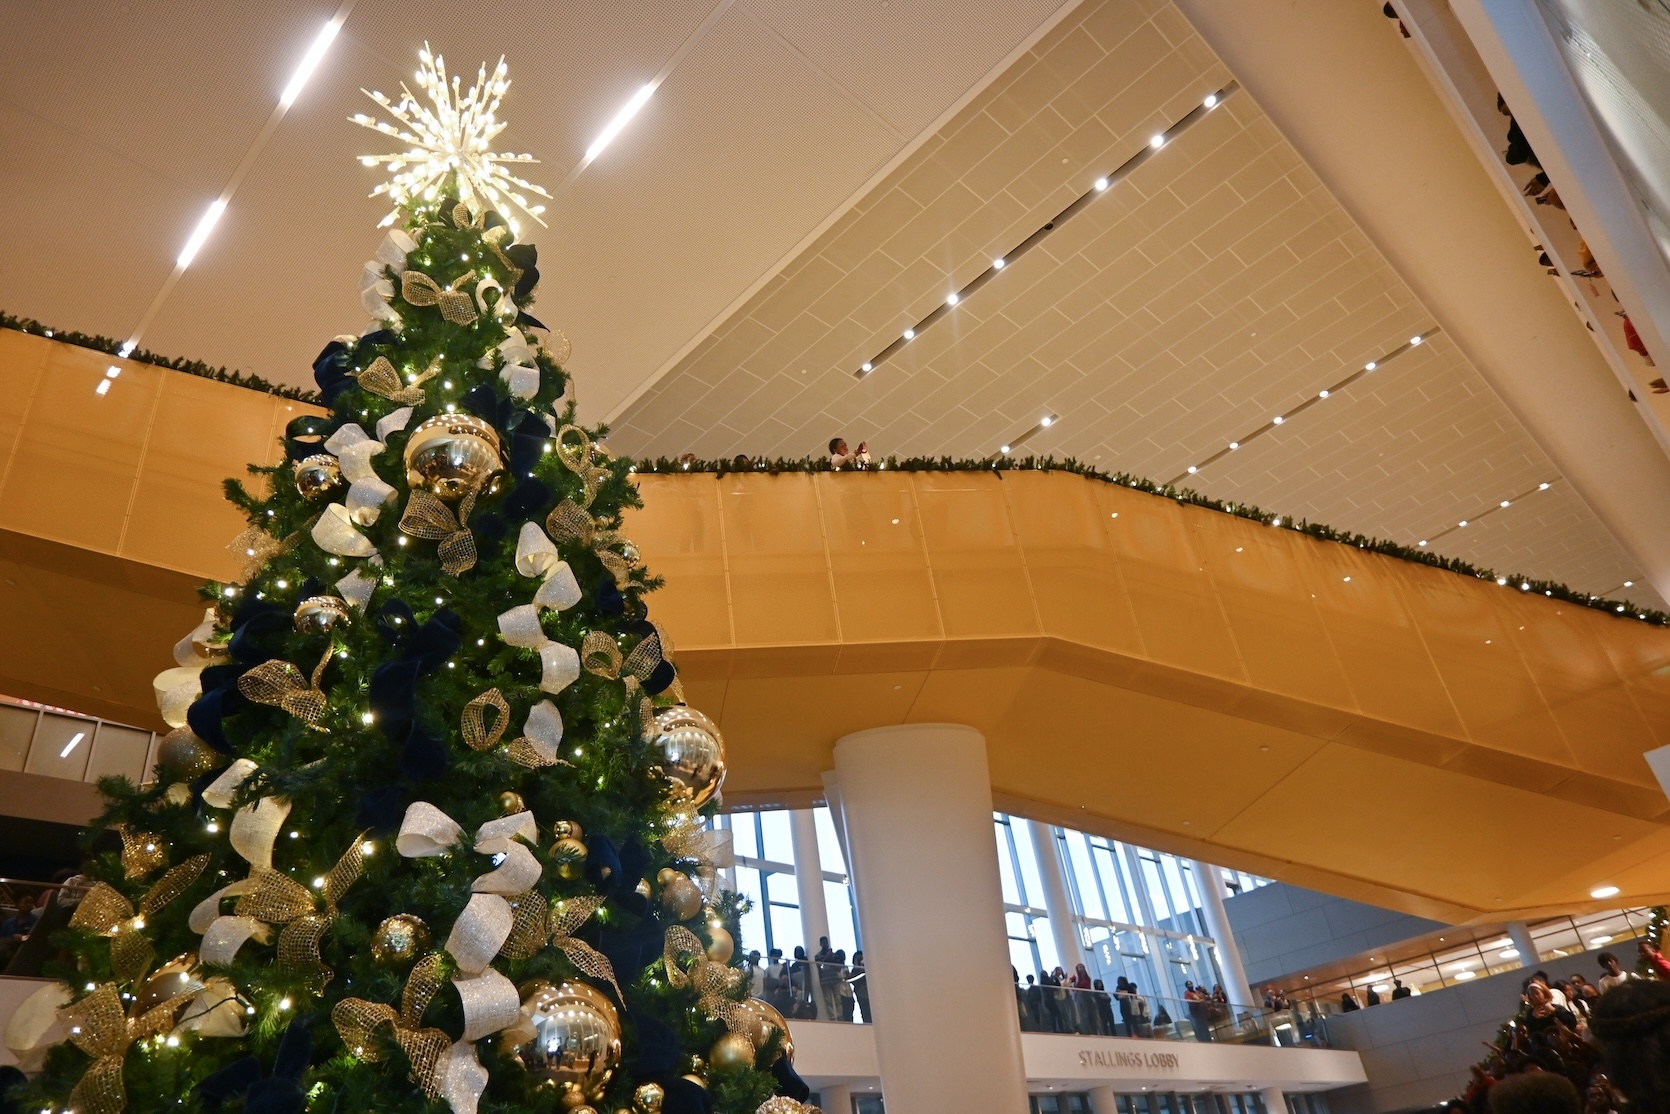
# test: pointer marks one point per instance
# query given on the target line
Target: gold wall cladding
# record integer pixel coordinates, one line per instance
(1142, 669)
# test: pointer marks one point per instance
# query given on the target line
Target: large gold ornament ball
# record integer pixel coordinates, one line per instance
(569, 854)
(647, 1099)
(185, 757)
(692, 753)
(720, 945)
(452, 455)
(576, 1036)
(679, 896)
(317, 475)
(568, 829)
(321, 614)
(510, 803)
(760, 1022)
(399, 940)
(176, 977)
(733, 1050)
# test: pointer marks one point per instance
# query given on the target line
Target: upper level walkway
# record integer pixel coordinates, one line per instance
(1181, 678)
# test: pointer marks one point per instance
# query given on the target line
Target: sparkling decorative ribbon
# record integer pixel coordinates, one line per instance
(34, 1026)
(368, 493)
(98, 1027)
(558, 663)
(334, 532)
(536, 556)
(478, 733)
(357, 1021)
(456, 306)
(482, 929)
(254, 547)
(575, 449)
(783, 1104)
(570, 522)
(600, 655)
(428, 518)
(566, 917)
(714, 983)
(380, 378)
(106, 911)
(396, 246)
(521, 370)
(685, 837)
(141, 852)
(280, 684)
(540, 738)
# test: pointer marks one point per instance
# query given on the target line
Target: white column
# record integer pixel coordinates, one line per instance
(918, 809)
(1210, 881)
(1156, 958)
(835, 1099)
(1520, 933)
(1102, 1101)
(1057, 903)
(808, 881)
(1275, 1100)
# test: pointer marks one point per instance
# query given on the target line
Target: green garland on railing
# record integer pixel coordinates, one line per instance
(145, 356)
(1186, 496)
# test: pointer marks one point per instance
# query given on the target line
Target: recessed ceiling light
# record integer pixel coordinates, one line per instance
(1211, 100)
(1348, 580)
(1370, 366)
(999, 263)
(909, 333)
(1004, 449)
(1629, 584)
(1506, 503)
(1597, 941)
(199, 235)
(951, 299)
(867, 366)
(1542, 487)
(1604, 891)
(622, 118)
(1463, 522)
(309, 62)
(1414, 341)
(1464, 975)
(1047, 420)
(1193, 469)
(1278, 419)
(1157, 142)
(1322, 394)
(1101, 184)
(1235, 444)
(73, 743)
(1421, 542)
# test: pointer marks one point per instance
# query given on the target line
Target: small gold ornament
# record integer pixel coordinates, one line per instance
(576, 1037)
(733, 1050)
(185, 757)
(570, 857)
(399, 940)
(583, 1109)
(647, 1099)
(642, 888)
(452, 455)
(511, 803)
(782, 1104)
(760, 1022)
(721, 945)
(568, 829)
(692, 754)
(177, 976)
(629, 552)
(572, 1096)
(321, 614)
(698, 1080)
(317, 475)
(679, 896)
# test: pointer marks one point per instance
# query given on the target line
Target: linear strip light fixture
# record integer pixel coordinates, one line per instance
(1101, 185)
(1320, 396)
(1486, 513)
(1014, 443)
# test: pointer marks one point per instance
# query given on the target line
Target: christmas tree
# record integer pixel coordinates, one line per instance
(429, 831)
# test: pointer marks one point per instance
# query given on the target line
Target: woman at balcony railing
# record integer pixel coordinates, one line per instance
(861, 986)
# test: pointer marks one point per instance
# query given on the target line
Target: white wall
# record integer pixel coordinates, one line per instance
(1281, 929)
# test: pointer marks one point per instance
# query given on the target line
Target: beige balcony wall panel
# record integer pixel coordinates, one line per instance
(978, 573)
(687, 537)
(23, 358)
(118, 752)
(878, 562)
(1642, 657)
(778, 566)
(178, 507)
(73, 469)
(17, 728)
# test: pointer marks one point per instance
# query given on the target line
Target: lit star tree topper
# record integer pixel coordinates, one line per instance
(450, 135)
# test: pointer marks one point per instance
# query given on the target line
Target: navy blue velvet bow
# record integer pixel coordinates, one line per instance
(393, 689)
(278, 1093)
(252, 623)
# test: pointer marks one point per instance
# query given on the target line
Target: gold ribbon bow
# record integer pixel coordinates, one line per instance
(456, 306)
(280, 684)
(254, 547)
(477, 734)
(141, 851)
(575, 450)
(569, 522)
(276, 898)
(358, 1022)
(600, 656)
(98, 1027)
(381, 379)
(685, 837)
(107, 912)
(566, 917)
(428, 518)
(714, 983)
(495, 243)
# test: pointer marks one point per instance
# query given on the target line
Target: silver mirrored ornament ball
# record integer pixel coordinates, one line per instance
(452, 454)
(692, 753)
(576, 1036)
(317, 475)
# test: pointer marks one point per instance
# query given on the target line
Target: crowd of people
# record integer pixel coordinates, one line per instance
(1059, 1002)
(797, 987)
(1577, 1047)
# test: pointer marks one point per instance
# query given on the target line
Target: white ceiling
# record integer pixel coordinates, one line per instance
(809, 179)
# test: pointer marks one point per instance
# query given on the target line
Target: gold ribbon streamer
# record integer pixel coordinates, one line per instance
(280, 684)
(685, 838)
(528, 929)
(141, 852)
(477, 734)
(494, 237)
(570, 522)
(714, 983)
(381, 379)
(276, 898)
(456, 306)
(98, 1027)
(106, 911)
(428, 518)
(254, 547)
(602, 657)
(358, 1022)
(567, 915)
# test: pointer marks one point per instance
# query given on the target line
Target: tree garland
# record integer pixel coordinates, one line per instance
(145, 356)
(1183, 496)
